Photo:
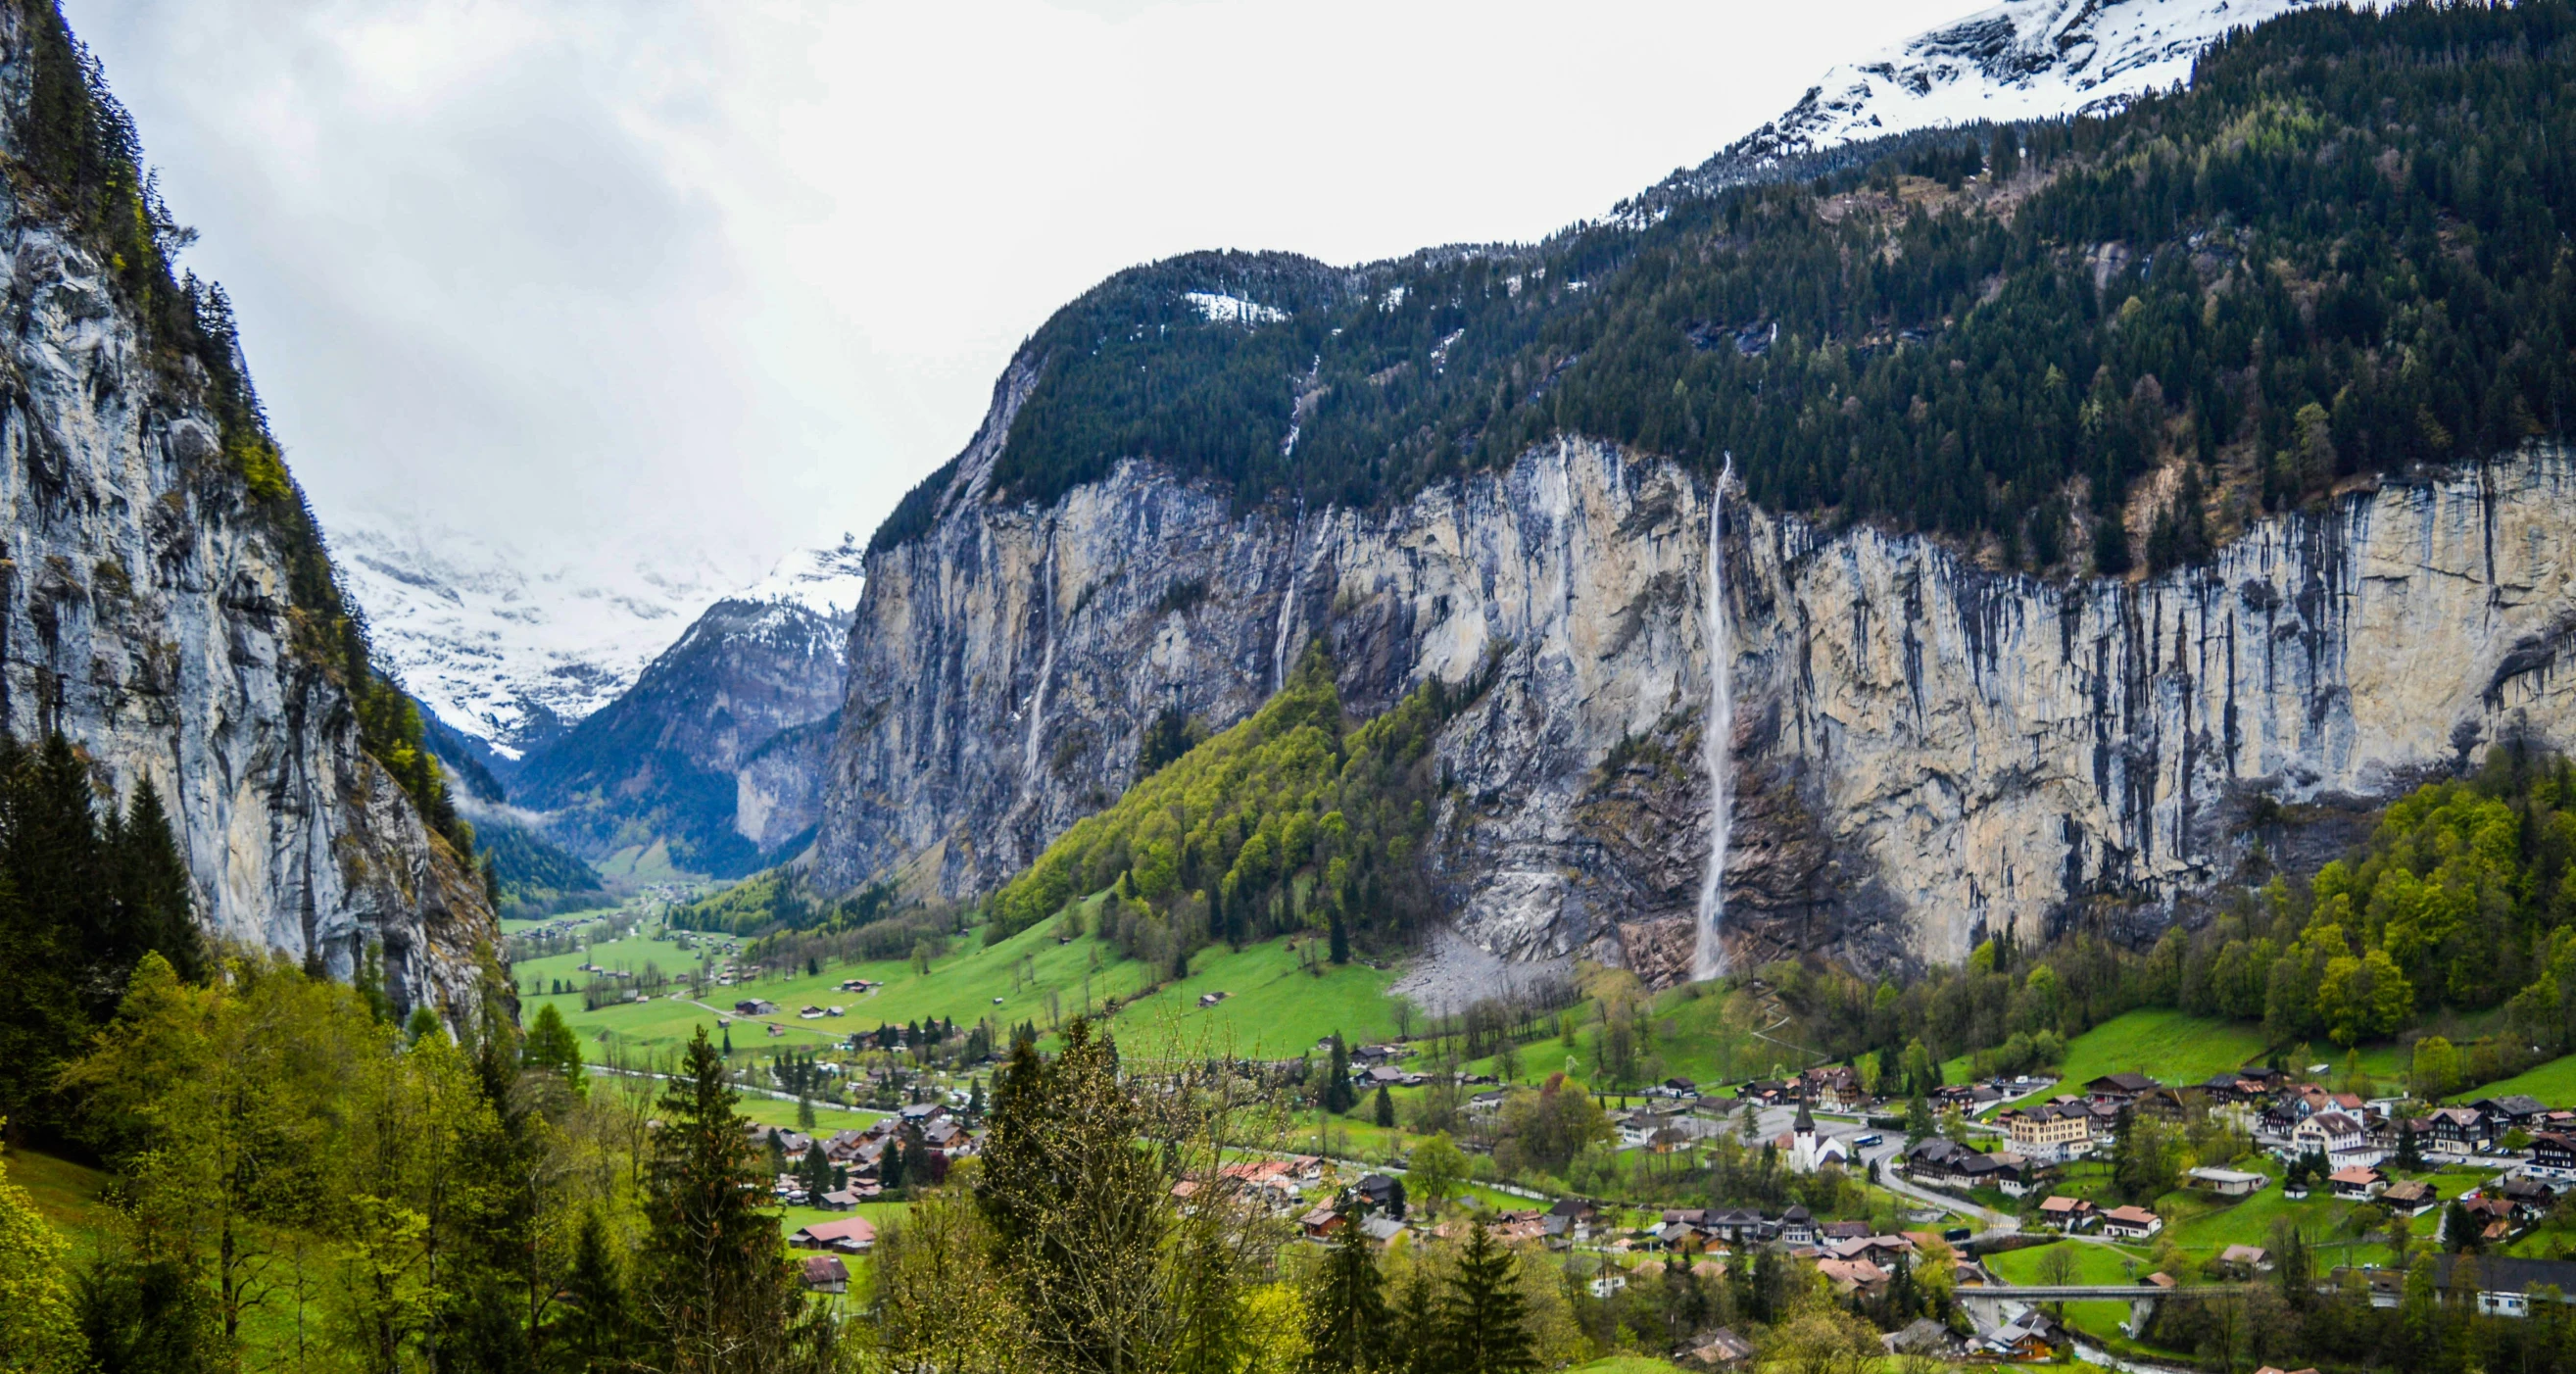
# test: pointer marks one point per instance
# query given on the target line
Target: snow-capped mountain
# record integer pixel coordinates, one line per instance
(513, 647)
(2023, 59)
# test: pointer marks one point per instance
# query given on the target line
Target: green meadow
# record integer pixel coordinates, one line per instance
(1276, 1006)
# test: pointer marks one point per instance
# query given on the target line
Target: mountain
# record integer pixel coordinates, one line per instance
(717, 749)
(511, 646)
(2080, 512)
(166, 601)
(2025, 59)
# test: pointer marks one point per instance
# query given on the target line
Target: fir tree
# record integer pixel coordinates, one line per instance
(1338, 1095)
(717, 1282)
(1384, 1112)
(1346, 1316)
(1341, 938)
(596, 1330)
(1484, 1325)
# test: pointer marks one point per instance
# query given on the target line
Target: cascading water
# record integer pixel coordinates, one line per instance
(1717, 732)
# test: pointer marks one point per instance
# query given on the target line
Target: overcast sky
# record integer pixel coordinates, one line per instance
(734, 275)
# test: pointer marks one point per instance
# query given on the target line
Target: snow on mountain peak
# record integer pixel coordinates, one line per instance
(513, 646)
(2023, 59)
(826, 580)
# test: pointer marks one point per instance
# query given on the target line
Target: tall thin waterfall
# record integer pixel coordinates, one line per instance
(1717, 733)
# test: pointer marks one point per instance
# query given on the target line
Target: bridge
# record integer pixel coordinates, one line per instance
(1986, 1302)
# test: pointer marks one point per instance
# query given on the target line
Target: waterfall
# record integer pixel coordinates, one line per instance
(1717, 734)
(1029, 785)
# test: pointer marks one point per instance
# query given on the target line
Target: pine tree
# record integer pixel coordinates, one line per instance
(1338, 1096)
(1413, 1343)
(1341, 938)
(154, 886)
(1346, 1316)
(717, 1282)
(1384, 1114)
(1484, 1325)
(597, 1327)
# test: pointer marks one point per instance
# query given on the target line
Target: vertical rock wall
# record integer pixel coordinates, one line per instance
(144, 612)
(1926, 752)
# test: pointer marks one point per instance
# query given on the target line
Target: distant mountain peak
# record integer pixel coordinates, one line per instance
(825, 580)
(2023, 59)
(513, 646)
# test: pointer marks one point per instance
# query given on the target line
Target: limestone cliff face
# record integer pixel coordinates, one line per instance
(2001, 749)
(1924, 751)
(144, 611)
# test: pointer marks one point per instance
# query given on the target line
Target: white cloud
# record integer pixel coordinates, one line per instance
(735, 274)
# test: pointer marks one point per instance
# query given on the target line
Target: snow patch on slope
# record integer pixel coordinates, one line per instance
(1233, 309)
(2024, 59)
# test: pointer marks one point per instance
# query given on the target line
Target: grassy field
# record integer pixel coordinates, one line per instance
(67, 1194)
(2168, 1046)
(2553, 1082)
(1275, 1008)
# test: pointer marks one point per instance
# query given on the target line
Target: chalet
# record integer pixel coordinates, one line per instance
(811, 1013)
(2553, 1156)
(2015, 1343)
(1924, 1336)
(2227, 1182)
(2512, 1110)
(1382, 1229)
(2491, 1217)
(1836, 1089)
(1674, 1087)
(838, 1200)
(2358, 1185)
(1483, 1103)
(1209, 999)
(1322, 1223)
(2462, 1130)
(1570, 1220)
(2338, 1137)
(1722, 1349)
(2119, 1087)
(1375, 1191)
(850, 1235)
(755, 1006)
(2507, 1287)
(2531, 1199)
(1853, 1277)
(2244, 1261)
(2163, 1104)
(2414, 1198)
(2131, 1223)
(2068, 1214)
(826, 1274)
(1797, 1227)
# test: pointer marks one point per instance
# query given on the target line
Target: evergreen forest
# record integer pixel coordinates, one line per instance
(2338, 253)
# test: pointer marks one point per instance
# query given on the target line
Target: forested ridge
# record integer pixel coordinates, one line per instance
(2339, 252)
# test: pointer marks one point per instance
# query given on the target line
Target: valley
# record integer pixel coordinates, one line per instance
(1939, 741)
